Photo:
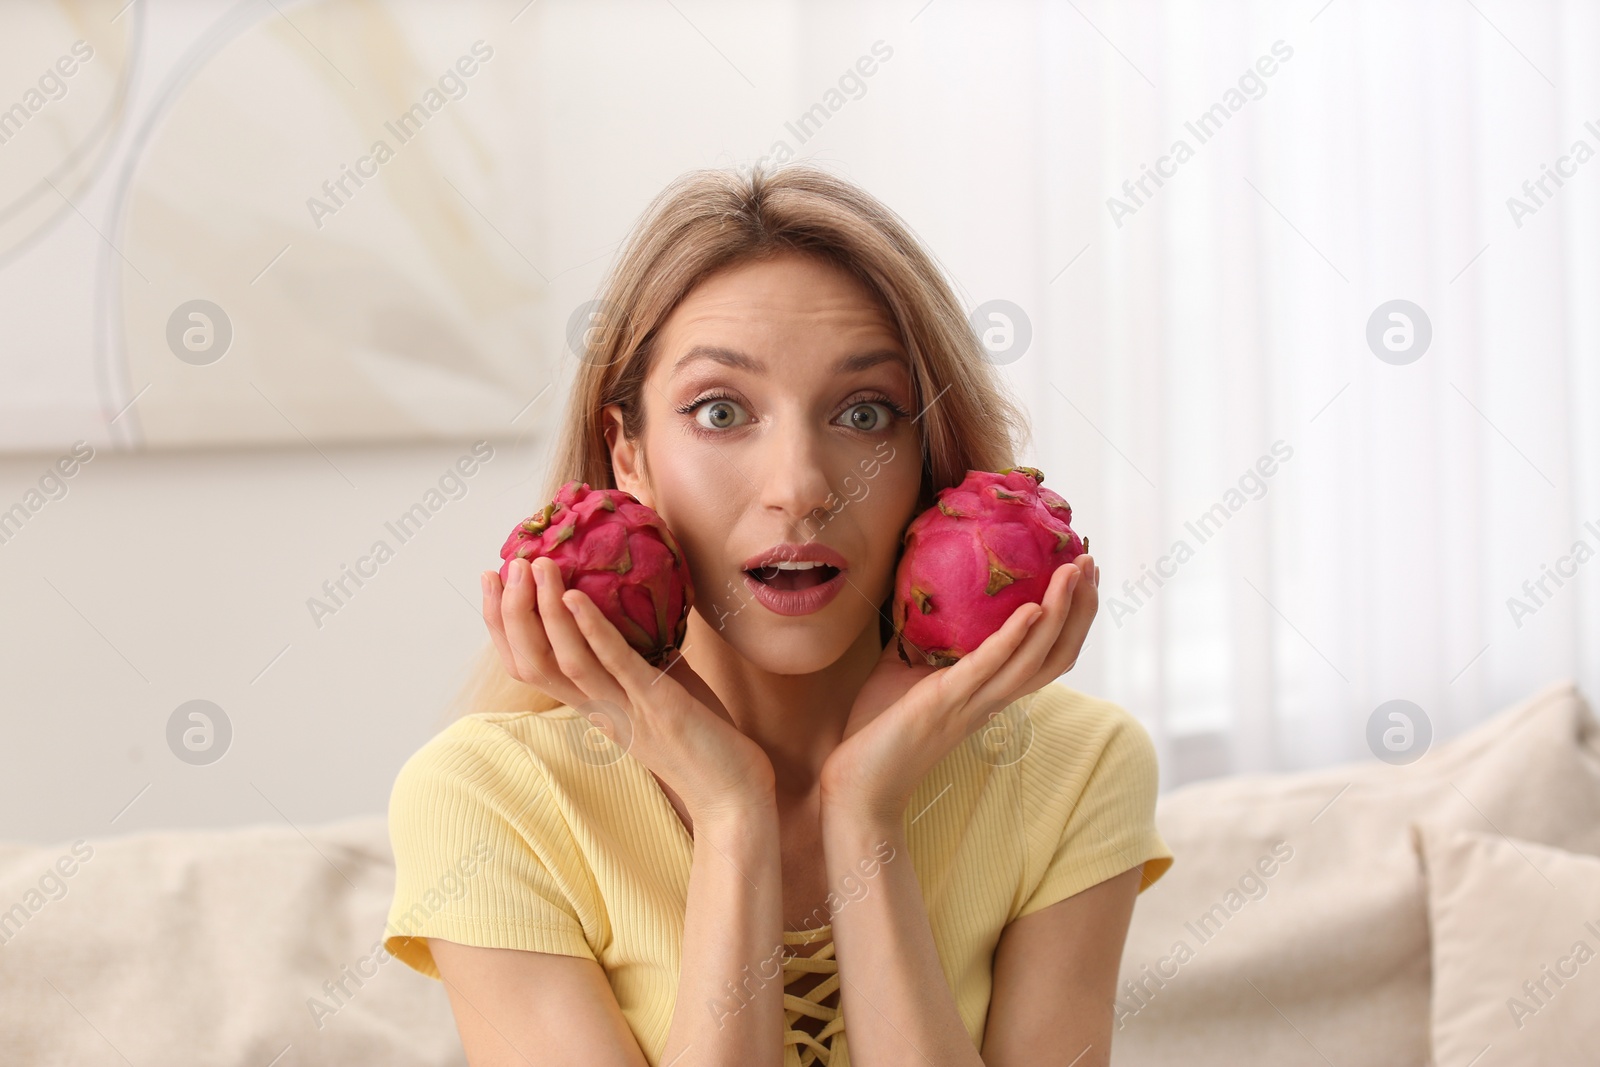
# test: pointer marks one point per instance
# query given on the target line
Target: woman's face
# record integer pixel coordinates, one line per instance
(778, 412)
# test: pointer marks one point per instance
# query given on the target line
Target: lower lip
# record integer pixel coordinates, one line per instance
(795, 601)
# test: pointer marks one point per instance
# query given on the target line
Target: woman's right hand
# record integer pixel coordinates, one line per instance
(670, 720)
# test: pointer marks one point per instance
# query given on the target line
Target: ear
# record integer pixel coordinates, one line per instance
(627, 458)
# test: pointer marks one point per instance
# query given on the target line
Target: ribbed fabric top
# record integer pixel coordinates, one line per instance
(516, 830)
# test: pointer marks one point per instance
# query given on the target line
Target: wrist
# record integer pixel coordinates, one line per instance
(746, 815)
(859, 815)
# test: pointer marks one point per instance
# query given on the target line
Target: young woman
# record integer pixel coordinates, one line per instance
(717, 863)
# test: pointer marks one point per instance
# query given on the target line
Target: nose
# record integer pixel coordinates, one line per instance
(794, 477)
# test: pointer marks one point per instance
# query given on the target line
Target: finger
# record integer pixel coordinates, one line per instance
(519, 621)
(619, 662)
(1057, 602)
(525, 636)
(574, 657)
(1085, 605)
(492, 595)
(958, 683)
(1041, 639)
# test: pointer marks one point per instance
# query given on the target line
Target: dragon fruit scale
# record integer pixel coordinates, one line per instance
(621, 555)
(987, 546)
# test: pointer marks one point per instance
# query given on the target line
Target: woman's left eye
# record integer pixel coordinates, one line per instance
(869, 415)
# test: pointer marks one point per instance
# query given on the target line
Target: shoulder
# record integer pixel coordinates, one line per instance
(1090, 779)
(490, 748)
(1072, 736)
(493, 730)
(504, 770)
(483, 850)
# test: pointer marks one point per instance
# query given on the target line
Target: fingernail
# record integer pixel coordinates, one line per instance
(1035, 617)
(483, 582)
(513, 574)
(538, 575)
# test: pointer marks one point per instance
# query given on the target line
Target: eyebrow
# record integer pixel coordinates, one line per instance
(729, 357)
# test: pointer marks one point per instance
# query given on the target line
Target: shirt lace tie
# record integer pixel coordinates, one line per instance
(821, 1048)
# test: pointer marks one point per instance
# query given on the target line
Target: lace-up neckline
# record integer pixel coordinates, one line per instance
(819, 1049)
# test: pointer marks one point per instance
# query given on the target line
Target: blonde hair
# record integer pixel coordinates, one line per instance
(713, 219)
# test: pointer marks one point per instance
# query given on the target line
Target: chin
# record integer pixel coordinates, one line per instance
(796, 646)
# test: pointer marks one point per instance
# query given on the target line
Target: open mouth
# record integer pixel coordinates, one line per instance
(789, 577)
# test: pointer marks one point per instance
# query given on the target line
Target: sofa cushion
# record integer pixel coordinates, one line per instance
(215, 948)
(1292, 928)
(1515, 929)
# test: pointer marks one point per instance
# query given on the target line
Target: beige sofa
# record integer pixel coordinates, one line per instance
(1294, 927)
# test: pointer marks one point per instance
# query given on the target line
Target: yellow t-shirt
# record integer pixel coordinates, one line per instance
(533, 831)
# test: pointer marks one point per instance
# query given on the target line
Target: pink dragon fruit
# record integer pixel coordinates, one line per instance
(621, 555)
(987, 546)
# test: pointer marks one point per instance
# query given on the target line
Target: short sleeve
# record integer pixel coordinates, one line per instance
(482, 853)
(1097, 762)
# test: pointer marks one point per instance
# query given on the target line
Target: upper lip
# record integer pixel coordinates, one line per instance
(789, 552)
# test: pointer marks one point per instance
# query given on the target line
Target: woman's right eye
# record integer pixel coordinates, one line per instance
(718, 413)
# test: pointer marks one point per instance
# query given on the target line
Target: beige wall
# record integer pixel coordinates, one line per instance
(162, 578)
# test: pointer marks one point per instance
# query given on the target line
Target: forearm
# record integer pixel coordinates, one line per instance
(729, 1010)
(897, 1005)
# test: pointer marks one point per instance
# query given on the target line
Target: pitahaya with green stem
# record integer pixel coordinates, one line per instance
(621, 555)
(987, 546)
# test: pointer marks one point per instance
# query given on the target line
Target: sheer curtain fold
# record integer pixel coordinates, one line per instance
(1216, 323)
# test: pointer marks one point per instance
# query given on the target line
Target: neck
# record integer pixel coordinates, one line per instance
(797, 719)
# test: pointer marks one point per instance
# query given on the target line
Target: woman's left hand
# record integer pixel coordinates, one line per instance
(908, 718)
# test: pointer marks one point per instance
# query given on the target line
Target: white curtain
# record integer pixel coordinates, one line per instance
(1221, 320)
